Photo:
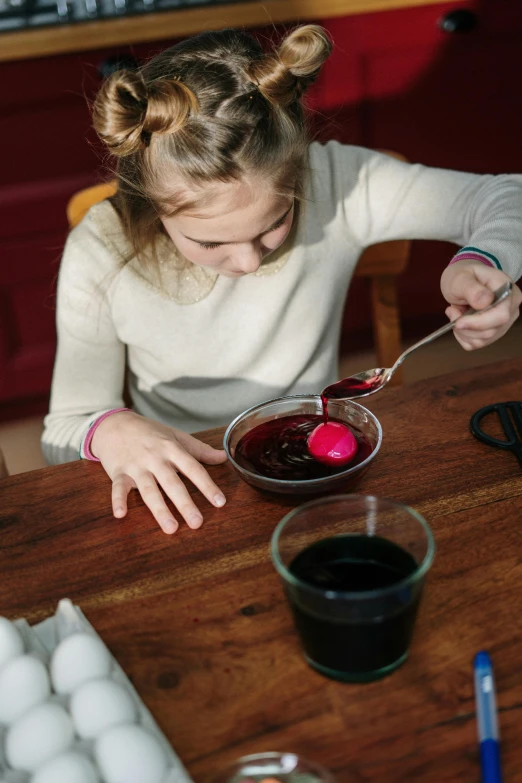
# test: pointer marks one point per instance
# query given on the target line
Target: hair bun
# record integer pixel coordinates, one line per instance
(126, 108)
(169, 104)
(305, 50)
(119, 110)
(284, 75)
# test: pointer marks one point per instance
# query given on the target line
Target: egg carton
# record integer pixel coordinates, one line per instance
(40, 640)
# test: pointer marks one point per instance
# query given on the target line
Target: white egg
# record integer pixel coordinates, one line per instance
(99, 704)
(130, 754)
(78, 658)
(24, 682)
(42, 733)
(11, 642)
(68, 768)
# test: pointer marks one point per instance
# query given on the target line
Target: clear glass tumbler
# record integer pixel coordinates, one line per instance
(353, 568)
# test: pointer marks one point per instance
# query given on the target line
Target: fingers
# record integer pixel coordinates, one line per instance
(480, 329)
(193, 470)
(498, 317)
(153, 499)
(201, 451)
(165, 474)
(471, 283)
(121, 486)
(470, 339)
(180, 496)
(455, 311)
(471, 342)
(149, 459)
(478, 295)
(468, 288)
(476, 337)
(490, 277)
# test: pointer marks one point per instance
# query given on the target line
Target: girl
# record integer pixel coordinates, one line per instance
(217, 275)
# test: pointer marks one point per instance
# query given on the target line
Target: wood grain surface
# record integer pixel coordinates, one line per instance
(199, 621)
(63, 38)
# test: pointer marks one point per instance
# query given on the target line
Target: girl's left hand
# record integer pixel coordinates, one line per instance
(471, 284)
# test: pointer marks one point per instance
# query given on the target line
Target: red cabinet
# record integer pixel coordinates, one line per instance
(396, 81)
(440, 98)
(50, 152)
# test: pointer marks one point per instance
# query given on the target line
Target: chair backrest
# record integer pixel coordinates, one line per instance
(381, 263)
(81, 202)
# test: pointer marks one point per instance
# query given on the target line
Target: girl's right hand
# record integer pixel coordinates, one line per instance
(141, 454)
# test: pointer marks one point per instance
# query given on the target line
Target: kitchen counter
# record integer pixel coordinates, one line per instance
(153, 26)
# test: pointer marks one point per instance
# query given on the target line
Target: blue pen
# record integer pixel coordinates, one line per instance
(487, 722)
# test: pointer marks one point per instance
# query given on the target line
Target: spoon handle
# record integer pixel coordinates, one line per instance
(499, 295)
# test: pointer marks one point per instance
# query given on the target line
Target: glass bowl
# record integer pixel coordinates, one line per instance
(346, 411)
(273, 767)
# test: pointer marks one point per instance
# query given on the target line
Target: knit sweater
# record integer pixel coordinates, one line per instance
(200, 348)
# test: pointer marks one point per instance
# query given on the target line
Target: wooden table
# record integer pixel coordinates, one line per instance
(199, 621)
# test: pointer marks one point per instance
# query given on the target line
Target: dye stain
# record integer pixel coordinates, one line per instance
(168, 680)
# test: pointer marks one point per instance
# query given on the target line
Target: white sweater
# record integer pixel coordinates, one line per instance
(201, 348)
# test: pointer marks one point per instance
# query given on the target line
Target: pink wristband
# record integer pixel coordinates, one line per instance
(475, 254)
(86, 447)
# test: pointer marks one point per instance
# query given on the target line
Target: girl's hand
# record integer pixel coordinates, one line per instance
(141, 454)
(471, 284)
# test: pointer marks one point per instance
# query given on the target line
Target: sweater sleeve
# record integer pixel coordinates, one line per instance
(89, 367)
(385, 199)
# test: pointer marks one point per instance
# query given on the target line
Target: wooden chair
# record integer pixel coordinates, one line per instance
(381, 263)
(3, 467)
(81, 202)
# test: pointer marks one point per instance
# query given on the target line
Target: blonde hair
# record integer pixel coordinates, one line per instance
(213, 108)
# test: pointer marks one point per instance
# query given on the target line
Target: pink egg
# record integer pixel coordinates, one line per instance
(332, 443)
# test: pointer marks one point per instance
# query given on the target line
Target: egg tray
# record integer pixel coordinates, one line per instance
(41, 640)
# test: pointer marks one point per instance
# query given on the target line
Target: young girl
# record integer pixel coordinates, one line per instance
(216, 278)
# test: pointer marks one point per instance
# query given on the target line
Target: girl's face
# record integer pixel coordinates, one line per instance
(241, 224)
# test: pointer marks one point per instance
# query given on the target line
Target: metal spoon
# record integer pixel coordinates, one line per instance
(370, 381)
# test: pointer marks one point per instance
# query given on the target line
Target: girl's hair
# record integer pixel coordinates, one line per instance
(213, 108)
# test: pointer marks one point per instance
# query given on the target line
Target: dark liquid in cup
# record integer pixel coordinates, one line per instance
(352, 639)
(278, 449)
